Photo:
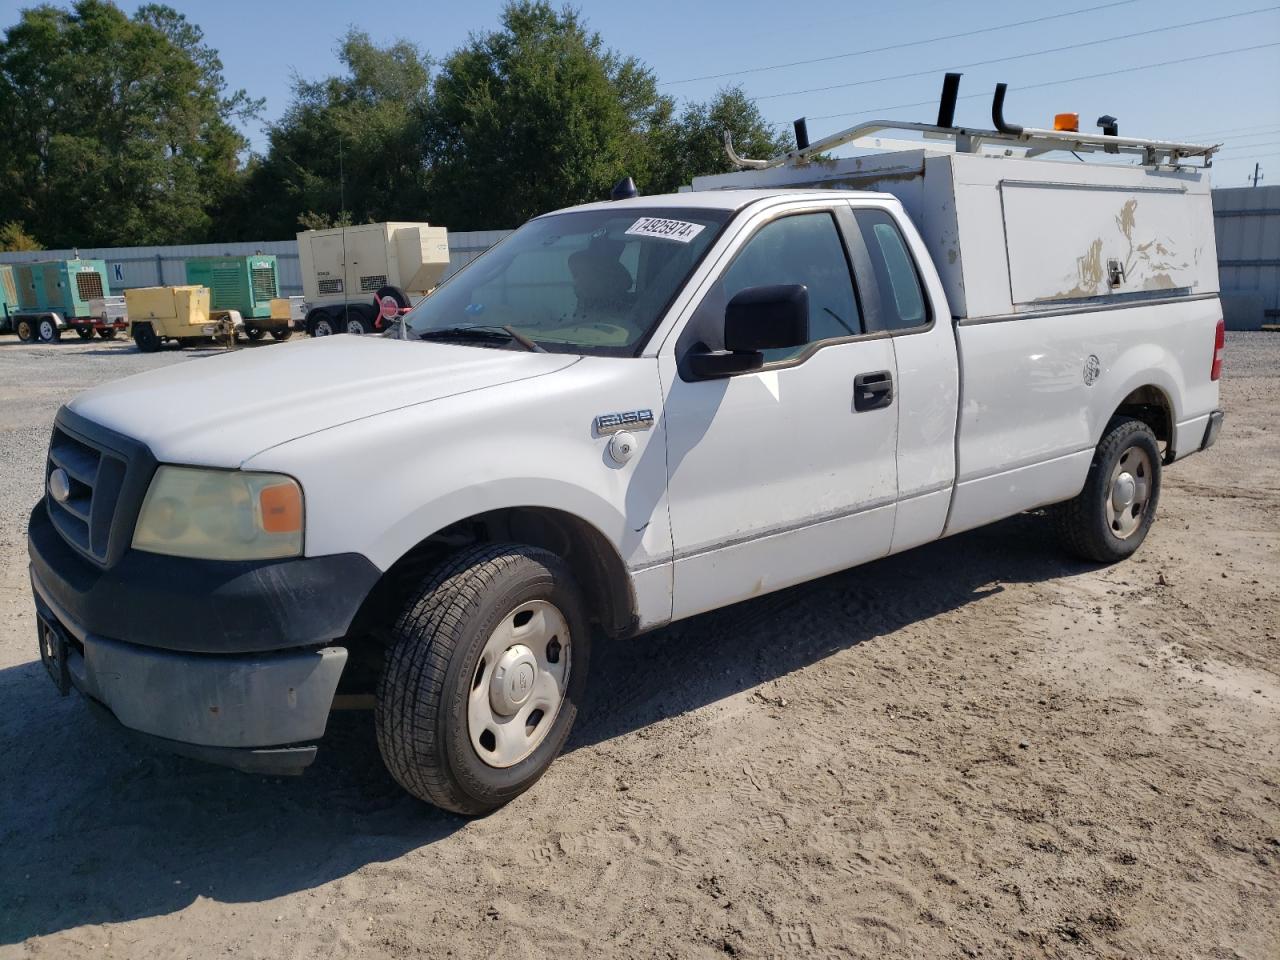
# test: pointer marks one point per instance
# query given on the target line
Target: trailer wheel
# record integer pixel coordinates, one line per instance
(484, 676)
(107, 333)
(254, 333)
(357, 324)
(26, 330)
(320, 324)
(1110, 518)
(48, 331)
(281, 333)
(395, 293)
(144, 335)
(84, 333)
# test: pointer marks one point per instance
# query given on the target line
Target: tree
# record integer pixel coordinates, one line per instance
(118, 130)
(13, 236)
(348, 148)
(534, 116)
(693, 145)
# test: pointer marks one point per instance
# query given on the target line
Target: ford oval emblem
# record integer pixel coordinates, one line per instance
(59, 485)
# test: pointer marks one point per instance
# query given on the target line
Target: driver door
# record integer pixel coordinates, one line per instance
(788, 472)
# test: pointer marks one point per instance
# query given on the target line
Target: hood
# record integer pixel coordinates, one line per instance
(222, 410)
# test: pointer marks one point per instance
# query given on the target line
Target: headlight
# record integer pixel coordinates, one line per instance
(220, 515)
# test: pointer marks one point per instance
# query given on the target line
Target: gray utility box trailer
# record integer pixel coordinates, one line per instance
(348, 271)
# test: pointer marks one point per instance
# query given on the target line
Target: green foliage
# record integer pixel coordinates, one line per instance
(693, 145)
(347, 148)
(117, 130)
(13, 236)
(536, 115)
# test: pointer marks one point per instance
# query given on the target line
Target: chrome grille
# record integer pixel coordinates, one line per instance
(107, 477)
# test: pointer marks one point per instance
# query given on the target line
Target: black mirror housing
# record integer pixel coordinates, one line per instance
(767, 318)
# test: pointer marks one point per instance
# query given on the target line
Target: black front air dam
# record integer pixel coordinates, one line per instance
(201, 606)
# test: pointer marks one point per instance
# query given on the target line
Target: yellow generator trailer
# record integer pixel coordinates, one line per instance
(157, 314)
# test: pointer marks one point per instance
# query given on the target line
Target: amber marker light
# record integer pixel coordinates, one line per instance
(281, 505)
(1067, 122)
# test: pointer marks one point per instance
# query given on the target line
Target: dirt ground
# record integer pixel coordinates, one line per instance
(976, 749)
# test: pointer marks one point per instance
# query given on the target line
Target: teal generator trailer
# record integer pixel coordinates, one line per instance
(245, 285)
(8, 299)
(58, 295)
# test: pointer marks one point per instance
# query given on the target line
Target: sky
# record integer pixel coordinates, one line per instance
(1195, 94)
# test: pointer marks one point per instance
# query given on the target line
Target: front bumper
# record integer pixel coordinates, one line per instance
(231, 663)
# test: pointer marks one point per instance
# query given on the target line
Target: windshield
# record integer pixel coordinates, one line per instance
(589, 282)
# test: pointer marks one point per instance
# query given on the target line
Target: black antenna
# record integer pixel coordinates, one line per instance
(997, 112)
(947, 105)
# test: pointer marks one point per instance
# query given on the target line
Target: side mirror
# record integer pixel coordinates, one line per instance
(756, 319)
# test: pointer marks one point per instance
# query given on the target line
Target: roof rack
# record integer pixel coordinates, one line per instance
(969, 140)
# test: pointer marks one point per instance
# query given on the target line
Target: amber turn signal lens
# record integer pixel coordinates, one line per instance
(281, 508)
(1068, 122)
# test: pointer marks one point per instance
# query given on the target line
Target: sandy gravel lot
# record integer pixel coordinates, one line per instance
(977, 749)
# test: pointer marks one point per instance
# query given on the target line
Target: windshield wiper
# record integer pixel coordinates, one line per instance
(482, 332)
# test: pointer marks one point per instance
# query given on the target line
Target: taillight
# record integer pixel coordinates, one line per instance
(1219, 346)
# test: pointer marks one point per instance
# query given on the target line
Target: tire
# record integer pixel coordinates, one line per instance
(1102, 524)
(280, 334)
(441, 645)
(107, 333)
(144, 336)
(394, 293)
(47, 330)
(254, 333)
(358, 321)
(84, 333)
(26, 330)
(321, 324)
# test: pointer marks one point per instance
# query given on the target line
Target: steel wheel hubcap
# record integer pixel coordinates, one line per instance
(519, 683)
(323, 329)
(46, 329)
(355, 326)
(1130, 492)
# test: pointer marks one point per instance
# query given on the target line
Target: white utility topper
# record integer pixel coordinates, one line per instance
(625, 414)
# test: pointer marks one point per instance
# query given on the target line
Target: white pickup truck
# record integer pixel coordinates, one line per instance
(627, 413)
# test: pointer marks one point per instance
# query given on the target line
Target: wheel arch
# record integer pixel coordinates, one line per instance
(595, 562)
(1153, 406)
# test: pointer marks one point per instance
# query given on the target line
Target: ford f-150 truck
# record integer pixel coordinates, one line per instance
(627, 413)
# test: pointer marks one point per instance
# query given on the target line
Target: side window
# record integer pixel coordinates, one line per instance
(801, 248)
(902, 302)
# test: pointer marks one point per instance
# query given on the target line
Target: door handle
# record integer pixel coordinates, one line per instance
(872, 391)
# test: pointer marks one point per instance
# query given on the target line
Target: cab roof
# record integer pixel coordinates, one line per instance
(731, 199)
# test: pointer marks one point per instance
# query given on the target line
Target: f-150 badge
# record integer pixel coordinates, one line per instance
(608, 423)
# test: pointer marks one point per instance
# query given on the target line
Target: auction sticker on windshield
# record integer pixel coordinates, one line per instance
(680, 230)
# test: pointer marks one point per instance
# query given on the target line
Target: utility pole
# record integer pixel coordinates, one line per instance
(1257, 173)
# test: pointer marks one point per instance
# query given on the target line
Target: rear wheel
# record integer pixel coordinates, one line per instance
(84, 333)
(358, 322)
(320, 324)
(1111, 516)
(47, 330)
(254, 333)
(281, 333)
(107, 333)
(26, 330)
(144, 335)
(487, 667)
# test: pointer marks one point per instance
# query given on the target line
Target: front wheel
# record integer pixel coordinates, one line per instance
(254, 333)
(144, 336)
(26, 330)
(84, 333)
(107, 333)
(484, 676)
(1111, 516)
(281, 333)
